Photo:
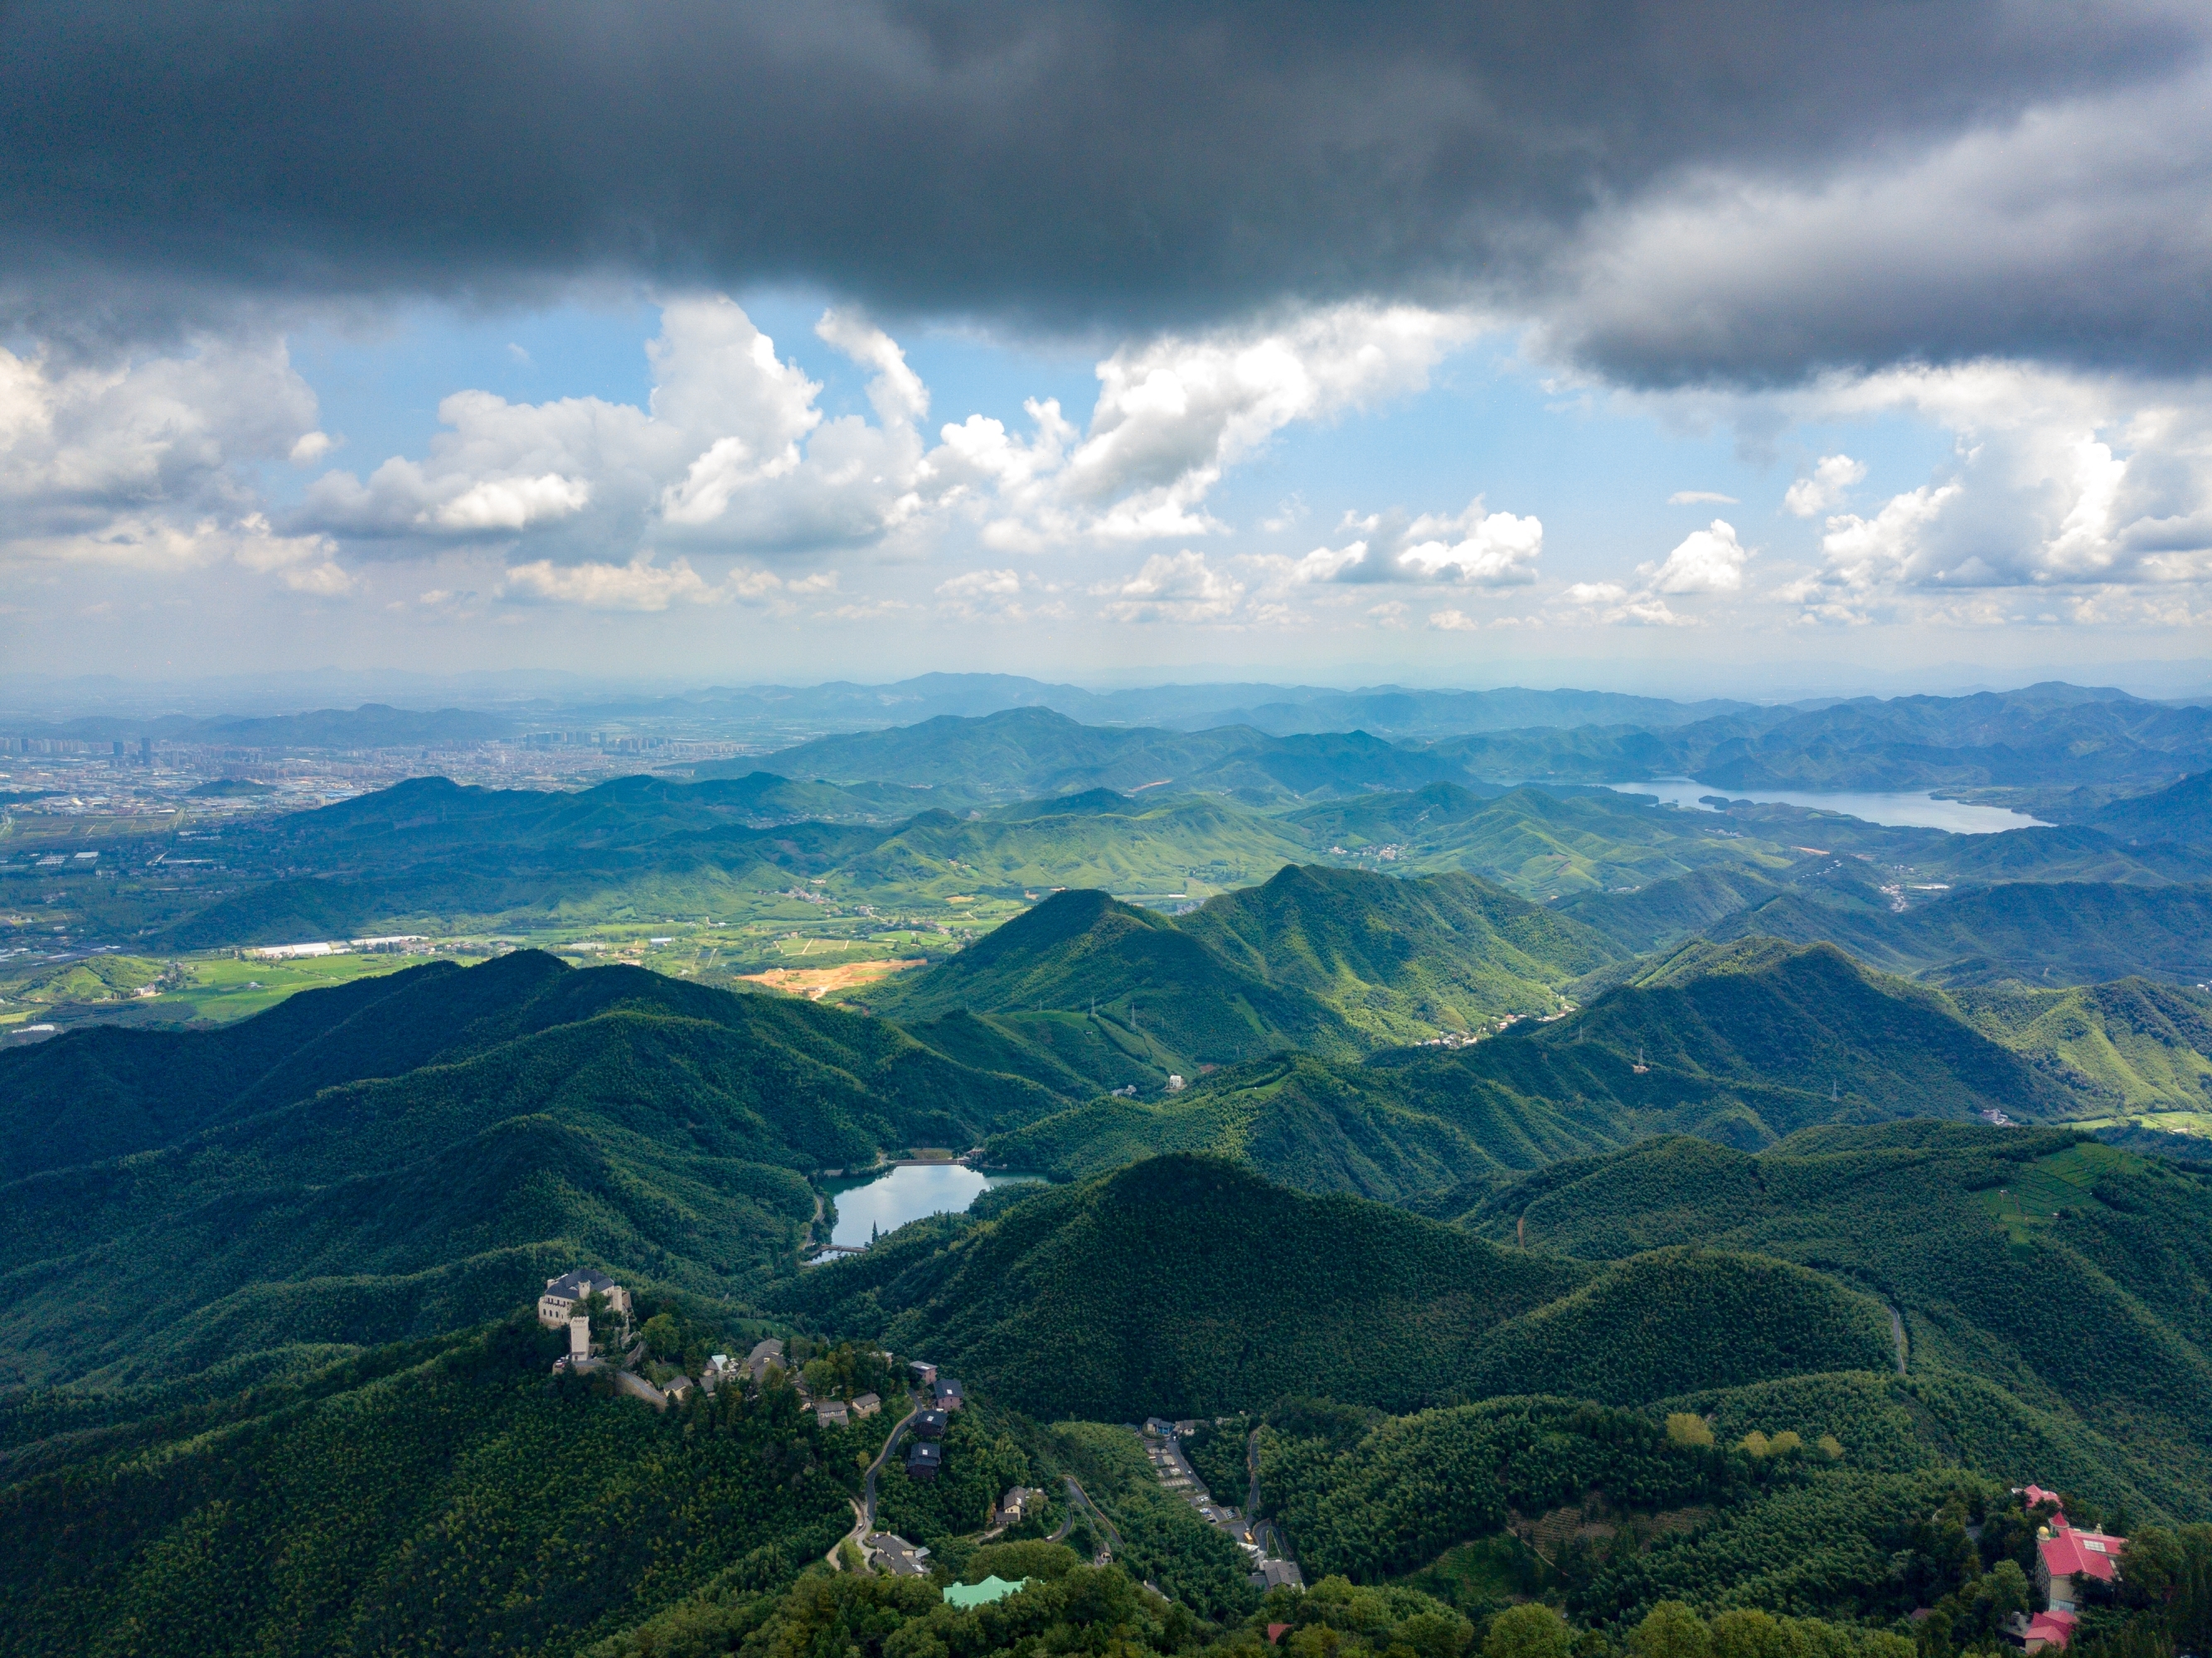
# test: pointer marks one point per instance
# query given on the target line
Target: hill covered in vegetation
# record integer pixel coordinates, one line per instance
(1329, 962)
(2060, 1284)
(1400, 959)
(410, 1155)
(1164, 987)
(2052, 933)
(1186, 1286)
(1743, 1044)
(444, 1497)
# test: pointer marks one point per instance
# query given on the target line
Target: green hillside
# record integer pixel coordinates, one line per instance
(1678, 1319)
(1299, 1120)
(340, 1184)
(1330, 961)
(2044, 933)
(1608, 1512)
(2070, 1276)
(1742, 1043)
(1666, 912)
(2181, 811)
(1539, 844)
(2130, 1046)
(1400, 959)
(1167, 994)
(1185, 1286)
(443, 1499)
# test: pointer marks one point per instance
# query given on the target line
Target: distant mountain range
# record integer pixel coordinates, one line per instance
(2050, 735)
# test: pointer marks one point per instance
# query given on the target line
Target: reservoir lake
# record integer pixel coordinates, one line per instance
(888, 1201)
(1894, 810)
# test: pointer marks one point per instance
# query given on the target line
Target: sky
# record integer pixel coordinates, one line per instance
(1688, 348)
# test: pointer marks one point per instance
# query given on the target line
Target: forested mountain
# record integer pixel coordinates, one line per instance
(354, 1169)
(2041, 933)
(1032, 751)
(2064, 1281)
(2051, 1293)
(1188, 1287)
(2181, 813)
(441, 1497)
(1163, 991)
(1400, 958)
(2131, 1045)
(428, 852)
(1330, 961)
(1610, 1197)
(1184, 1286)
(2042, 735)
(1743, 1044)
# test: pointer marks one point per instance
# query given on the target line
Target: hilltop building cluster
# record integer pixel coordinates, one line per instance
(2067, 1558)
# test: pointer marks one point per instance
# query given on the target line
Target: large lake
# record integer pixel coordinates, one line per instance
(1897, 811)
(908, 1192)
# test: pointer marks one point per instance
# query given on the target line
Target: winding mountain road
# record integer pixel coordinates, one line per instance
(868, 1486)
(1078, 1498)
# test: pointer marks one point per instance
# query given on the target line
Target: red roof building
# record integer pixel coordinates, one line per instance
(2052, 1630)
(2067, 1556)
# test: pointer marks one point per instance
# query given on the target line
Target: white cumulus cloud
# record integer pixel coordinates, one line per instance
(1830, 479)
(1709, 561)
(1476, 547)
(147, 462)
(730, 452)
(1174, 413)
(1173, 587)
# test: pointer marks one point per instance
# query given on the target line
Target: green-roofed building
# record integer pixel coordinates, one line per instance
(994, 1587)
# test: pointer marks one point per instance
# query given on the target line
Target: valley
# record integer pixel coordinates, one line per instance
(1513, 1196)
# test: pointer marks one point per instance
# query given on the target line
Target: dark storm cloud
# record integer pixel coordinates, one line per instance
(1132, 164)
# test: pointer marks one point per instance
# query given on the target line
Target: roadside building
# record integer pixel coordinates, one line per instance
(1020, 1503)
(1278, 1574)
(924, 1461)
(897, 1556)
(558, 1303)
(930, 1424)
(947, 1393)
(925, 1374)
(580, 1338)
(679, 1389)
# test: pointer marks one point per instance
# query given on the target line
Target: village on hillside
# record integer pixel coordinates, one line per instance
(597, 1314)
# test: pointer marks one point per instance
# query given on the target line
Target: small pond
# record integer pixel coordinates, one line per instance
(1895, 811)
(888, 1201)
